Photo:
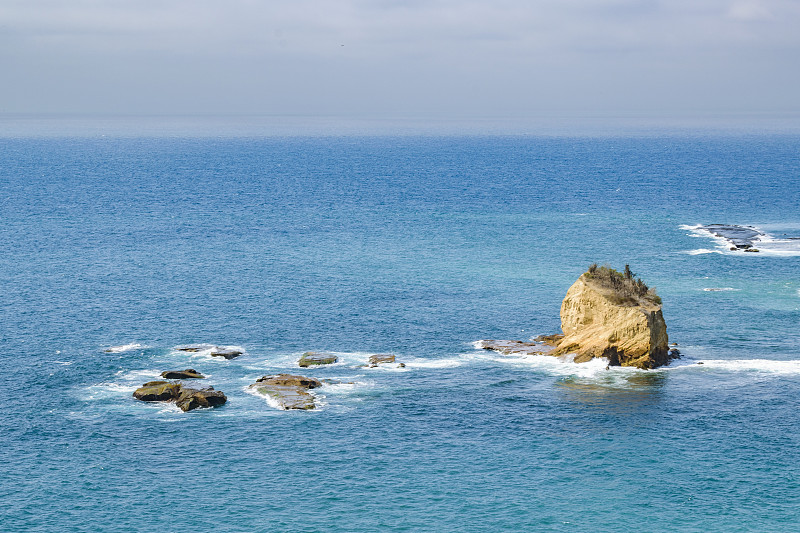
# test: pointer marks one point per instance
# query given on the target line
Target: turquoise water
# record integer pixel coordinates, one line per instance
(416, 246)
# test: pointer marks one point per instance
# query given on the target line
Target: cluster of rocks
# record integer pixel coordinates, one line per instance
(186, 398)
(289, 391)
(216, 351)
(309, 359)
(382, 358)
(595, 320)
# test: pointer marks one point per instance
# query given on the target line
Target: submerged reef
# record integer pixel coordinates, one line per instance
(739, 237)
(289, 391)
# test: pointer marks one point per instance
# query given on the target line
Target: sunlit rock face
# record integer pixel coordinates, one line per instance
(601, 320)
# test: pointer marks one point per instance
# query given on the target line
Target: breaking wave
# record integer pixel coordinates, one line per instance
(124, 348)
(766, 366)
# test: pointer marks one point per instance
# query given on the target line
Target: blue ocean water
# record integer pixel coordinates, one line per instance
(412, 245)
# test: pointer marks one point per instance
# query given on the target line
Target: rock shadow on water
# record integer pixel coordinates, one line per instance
(614, 392)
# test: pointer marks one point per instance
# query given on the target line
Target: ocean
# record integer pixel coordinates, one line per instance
(116, 250)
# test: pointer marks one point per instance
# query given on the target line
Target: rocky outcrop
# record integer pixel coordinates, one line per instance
(609, 314)
(289, 391)
(227, 353)
(189, 373)
(189, 399)
(316, 358)
(184, 397)
(380, 358)
(550, 340)
(157, 391)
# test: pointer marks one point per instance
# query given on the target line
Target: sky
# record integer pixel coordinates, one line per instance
(434, 58)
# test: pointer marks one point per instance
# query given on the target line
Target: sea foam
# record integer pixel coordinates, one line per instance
(751, 365)
(125, 348)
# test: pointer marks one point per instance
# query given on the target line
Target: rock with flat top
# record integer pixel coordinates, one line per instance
(316, 358)
(157, 391)
(739, 237)
(380, 358)
(189, 373)
(227, 353)
(289, 391)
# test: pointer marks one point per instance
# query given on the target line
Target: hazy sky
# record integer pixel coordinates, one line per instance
(453, 58)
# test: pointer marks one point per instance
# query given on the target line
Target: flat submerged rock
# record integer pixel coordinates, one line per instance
(215, 351)
(194, 348)
(508, 347)
(739, 237)
(289, 391)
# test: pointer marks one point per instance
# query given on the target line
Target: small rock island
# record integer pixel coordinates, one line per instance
(608, 314)
(613, 314)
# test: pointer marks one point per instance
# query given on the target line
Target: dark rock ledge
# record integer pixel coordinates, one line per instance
(189, 373)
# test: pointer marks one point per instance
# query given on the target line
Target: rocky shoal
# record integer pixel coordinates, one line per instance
(214, 351)
(185, 398)
(509, 347)
(289, 391)
(739, 237)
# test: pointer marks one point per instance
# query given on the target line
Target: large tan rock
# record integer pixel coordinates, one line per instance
(602, 319)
